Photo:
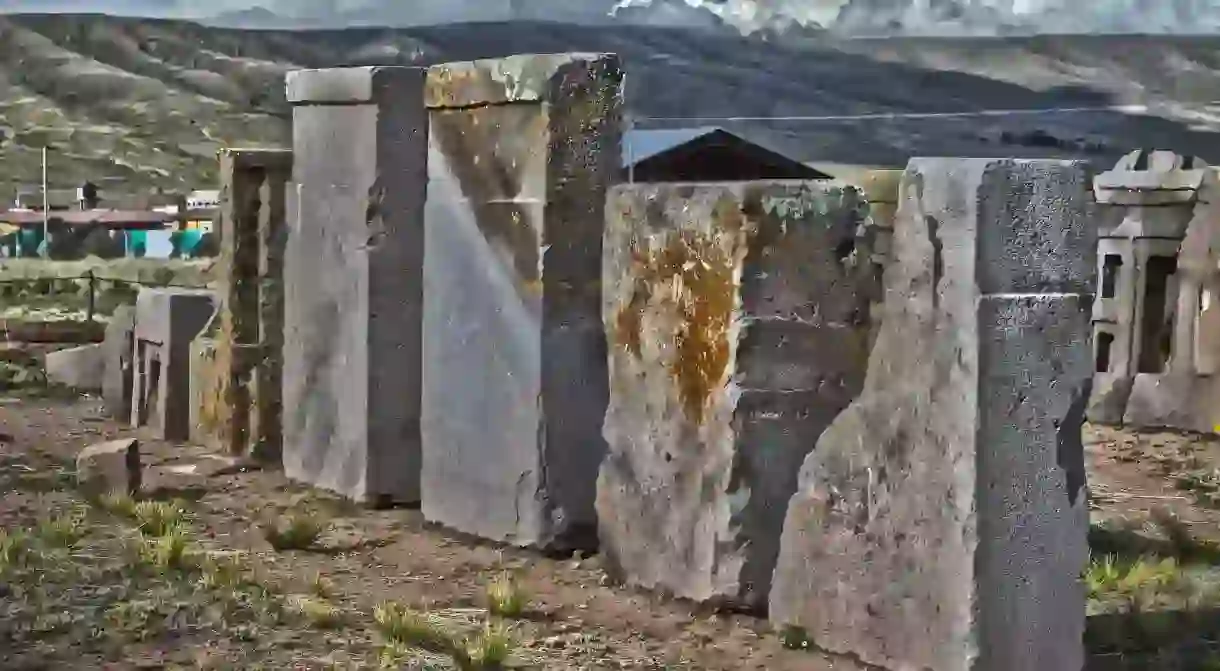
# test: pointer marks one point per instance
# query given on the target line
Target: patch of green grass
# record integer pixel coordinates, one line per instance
(490, 648)
(15, 549)
(1108, 577)
(159, 518)
(118, 503)
(219, 573)
(793, 637)
(401, 624)
(61, 531)
(167, 551)
(506, 597)
(320, 614)
(404, 629)
(295, 531)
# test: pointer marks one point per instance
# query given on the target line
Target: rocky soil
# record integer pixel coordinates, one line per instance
(227, 566)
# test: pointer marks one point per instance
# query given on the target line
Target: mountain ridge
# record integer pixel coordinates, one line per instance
(149, 101)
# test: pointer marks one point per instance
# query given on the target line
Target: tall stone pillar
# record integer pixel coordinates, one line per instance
(236, 365)
(521, 151)
(738, 321)
(941, 521)
(352, 281)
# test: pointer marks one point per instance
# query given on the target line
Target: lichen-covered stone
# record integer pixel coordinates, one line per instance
(521, 152)
(520, 78)
(941, 521)
(237, 368)
(737, 318)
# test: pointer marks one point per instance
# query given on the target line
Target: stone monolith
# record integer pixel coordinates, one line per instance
(738, 322)
(521, 153)
(941, 522)
(352, 292)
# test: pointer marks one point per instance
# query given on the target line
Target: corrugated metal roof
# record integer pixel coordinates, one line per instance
(642, 144)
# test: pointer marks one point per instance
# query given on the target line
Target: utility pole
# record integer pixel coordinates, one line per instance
(46, 199)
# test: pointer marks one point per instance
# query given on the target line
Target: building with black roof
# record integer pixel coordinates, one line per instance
(705, 154)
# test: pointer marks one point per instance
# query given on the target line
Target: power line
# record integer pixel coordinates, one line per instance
(1125, 109)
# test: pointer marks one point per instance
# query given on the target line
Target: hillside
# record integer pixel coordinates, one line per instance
(149, 101)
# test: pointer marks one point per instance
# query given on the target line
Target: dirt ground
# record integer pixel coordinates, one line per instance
(92, 599)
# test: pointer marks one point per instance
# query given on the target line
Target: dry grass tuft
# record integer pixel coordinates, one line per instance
(61, 531)
(321, 614)
(505, 597)
(295, 531)
(159, 518)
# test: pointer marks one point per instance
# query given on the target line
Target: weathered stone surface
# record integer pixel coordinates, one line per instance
(521, 152)
(167, 322)
(738, 320)
(352, 287)
(941, 520)
(237, 369)
(112, 466)
(117, 350)
(516, 79)
(82, 368)
(1157, 316)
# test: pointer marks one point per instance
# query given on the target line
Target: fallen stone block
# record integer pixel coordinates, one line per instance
(521, 153)
(113, 466)
(941, 521)
(738, 325)
(82, 368)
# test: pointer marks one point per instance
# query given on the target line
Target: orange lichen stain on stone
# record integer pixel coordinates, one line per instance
(443, 84)
(697, 275)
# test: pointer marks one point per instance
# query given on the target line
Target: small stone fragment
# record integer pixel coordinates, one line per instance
(113, 466)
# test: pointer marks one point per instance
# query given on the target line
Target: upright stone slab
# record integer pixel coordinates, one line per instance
(521, 152)
(237, 367)
(118, 348)
(167, 323)
(941, 520)
(738, 321)
(352, 291)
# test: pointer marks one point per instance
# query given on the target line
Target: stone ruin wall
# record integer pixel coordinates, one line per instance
(352, 282)
(738, 324)
(236, 364)
(1157, 319)
(521, 152)
(940, 522)
(744, 360)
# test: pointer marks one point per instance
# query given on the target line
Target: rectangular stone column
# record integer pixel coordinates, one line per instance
(738, 322)
(236, 367)
(521, 152)
(941, 521)
(352, 292)
(167, 322)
